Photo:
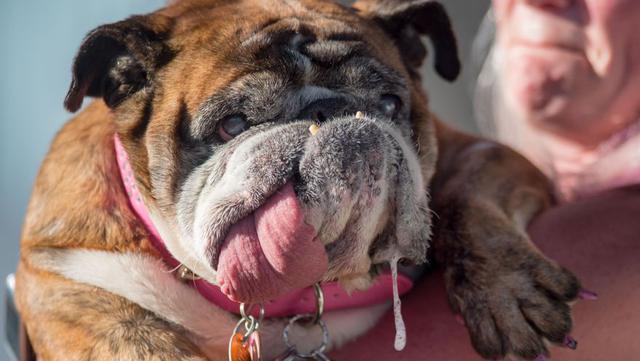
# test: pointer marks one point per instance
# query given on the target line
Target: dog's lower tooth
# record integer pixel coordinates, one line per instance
(313, 129)
(359, 115)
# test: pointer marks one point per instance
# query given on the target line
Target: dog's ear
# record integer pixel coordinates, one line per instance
(406, 21)
(117, 60)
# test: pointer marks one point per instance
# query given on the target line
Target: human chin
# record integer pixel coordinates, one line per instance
(544, 82)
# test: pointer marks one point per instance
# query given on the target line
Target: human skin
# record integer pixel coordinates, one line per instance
(571, 67)
(597, 237)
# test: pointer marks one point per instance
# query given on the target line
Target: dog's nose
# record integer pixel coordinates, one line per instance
(322, 109)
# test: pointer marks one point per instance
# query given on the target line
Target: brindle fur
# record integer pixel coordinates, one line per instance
(71, 321)
(508, 293)
(164, 67)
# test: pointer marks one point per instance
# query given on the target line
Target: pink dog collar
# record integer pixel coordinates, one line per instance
(298, 302)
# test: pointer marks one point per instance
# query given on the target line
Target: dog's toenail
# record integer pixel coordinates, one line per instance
(587, 295)
(570, 342)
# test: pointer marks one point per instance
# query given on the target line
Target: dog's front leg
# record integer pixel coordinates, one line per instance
(71, 321)
(511, 296)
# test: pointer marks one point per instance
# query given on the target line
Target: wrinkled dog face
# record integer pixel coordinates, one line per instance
(214, 102)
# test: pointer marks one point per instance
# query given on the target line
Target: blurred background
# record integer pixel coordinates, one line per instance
(39, 38)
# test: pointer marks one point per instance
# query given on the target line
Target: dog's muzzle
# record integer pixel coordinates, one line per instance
(287, 208)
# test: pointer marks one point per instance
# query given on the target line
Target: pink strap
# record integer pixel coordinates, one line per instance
(301, 301)
(135, 199)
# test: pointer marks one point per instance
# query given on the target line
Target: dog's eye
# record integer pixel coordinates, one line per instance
(231, 126)
(390, 105)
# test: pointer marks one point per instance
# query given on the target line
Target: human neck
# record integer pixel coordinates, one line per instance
(581, 167)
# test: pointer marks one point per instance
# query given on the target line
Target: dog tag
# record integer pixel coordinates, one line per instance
(246, 346)
(239, 350)
(317, 353)
(254, 347)
(248, 350)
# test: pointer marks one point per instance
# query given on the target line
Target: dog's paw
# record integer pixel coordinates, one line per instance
(513, 306)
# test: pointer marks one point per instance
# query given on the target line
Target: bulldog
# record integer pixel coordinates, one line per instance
(256, 148)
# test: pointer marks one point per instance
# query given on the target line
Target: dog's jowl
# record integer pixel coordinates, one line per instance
(244, 151)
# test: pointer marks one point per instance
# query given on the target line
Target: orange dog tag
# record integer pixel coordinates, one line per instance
(245, 351)
(239, 349)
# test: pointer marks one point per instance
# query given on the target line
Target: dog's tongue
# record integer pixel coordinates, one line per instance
(270, 252)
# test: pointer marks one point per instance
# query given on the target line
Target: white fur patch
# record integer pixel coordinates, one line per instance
(233, 181)
(181, 250)
(146, 281)
(413, 164)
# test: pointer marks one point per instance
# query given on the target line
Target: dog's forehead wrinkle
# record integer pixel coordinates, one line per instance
(259, 92)
(296, 41)
(299, 98)
(299, 32)
(333, 51)
(268, 33)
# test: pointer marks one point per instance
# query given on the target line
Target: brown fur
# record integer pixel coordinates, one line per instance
(510, 295)
(86, 207)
